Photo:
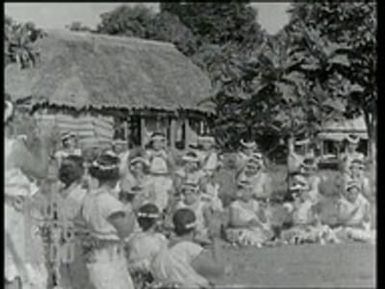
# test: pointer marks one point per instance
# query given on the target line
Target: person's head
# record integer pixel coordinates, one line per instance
(308, 166)
(9, 112)
(352, 142)
(190, 193)
(148, 216)
(252, 167)
(184, 221)
(71, 170)
(356, 167)
(68, 140)
(299, 187)
(244, 191)
(158, 141)
(119, 146)
(352, 191)
(248, 147)
(138, 165)
(191, 161)
(206, 142)
(105, 169)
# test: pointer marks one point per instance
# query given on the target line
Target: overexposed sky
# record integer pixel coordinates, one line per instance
(272, 16)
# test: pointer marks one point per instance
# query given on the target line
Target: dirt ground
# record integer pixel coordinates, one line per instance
(316, 266)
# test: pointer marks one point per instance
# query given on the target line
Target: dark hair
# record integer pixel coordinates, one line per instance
(181, 219)
(149, 145)
(71, 170)
(192, 154)
(147, 222)
(105, 168)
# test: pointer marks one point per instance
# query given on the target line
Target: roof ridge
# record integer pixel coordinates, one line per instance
(116, 38)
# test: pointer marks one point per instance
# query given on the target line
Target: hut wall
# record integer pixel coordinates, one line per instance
(90, 129)
(180, 132)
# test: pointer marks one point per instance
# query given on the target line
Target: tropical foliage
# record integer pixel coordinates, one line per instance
(18, 39)
(321, 65)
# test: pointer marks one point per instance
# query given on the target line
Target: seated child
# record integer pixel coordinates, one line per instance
(248, 224)
(144, 246)
(307, 227)
(354, 215)
(191, 199)
(184, 262)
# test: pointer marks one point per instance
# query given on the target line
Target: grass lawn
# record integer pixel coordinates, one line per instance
(316, 266)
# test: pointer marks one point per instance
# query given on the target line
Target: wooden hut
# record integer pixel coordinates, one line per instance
(107, 88)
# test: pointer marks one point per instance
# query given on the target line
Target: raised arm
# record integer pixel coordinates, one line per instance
(210, 263)
(35, 165)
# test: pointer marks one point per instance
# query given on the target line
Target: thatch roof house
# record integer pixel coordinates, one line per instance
(334, 133)
(142, 85)
(338, 130)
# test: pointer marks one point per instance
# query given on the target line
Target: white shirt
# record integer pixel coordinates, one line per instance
(97, 208)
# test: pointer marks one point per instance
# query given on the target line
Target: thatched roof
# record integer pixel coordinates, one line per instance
(338, 130)
(82, 70)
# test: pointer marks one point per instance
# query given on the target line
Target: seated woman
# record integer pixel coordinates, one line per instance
(355, 172)
(259, 180)
(308, 168)
(248, 224)
(145, 246)
(210, 191)
(244, 154)
(354, 215)
(186, 263)
(191, 199)
(190, 170)
(306, 224)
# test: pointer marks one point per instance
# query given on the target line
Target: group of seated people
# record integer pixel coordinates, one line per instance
(171, 221)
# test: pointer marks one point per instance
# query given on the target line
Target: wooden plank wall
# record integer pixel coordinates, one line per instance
(88, 128)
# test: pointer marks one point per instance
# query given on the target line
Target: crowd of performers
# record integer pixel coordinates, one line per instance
(142, 219)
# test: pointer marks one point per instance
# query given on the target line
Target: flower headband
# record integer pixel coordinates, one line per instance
(139, 159)
(96, 164)
(190, 225)
(147, 215)
(192, 186)
(190, 158)
(248, 144)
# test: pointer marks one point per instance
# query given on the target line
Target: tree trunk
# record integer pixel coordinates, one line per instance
(371, 123)
(290, 146)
